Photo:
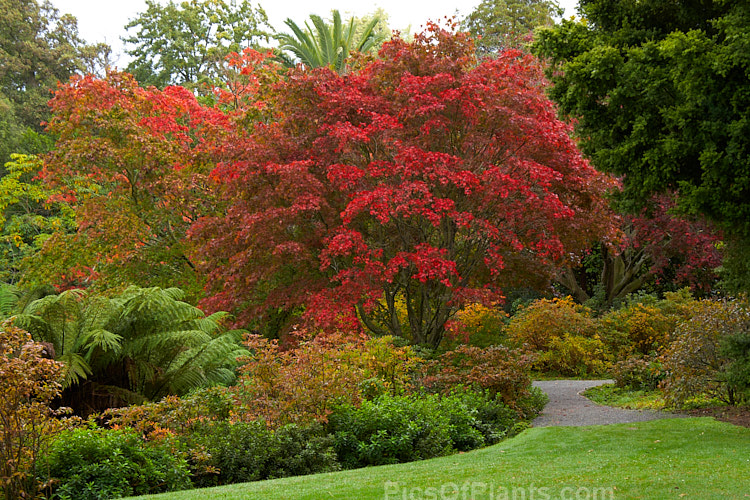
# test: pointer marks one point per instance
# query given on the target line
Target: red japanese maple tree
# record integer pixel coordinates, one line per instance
(423, 178)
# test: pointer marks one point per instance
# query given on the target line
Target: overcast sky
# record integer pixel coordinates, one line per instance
(103, 20)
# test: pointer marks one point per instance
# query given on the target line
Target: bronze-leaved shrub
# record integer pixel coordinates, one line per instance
(697, 362)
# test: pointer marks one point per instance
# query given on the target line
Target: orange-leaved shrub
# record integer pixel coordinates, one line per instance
(304, 383)
(28, 383)
(501, 371)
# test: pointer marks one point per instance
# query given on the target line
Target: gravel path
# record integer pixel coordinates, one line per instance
(567, 407)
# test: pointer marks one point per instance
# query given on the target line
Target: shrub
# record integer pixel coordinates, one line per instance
(477, 325)
(179, 415)
(494, 419)
(502, 372)
(250, 451)
(531, 404)
(708, 353)
(91, 464)
(391, 429)
(303, 384)
(28, 382)
(575, 355)
(643, 324)
(538, 323)
(639, 372)
(736, 374)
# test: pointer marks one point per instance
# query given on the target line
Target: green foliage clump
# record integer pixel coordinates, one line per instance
(137, 346)
(90, 464)
(250, 451)
(393, 429)
(709, 356)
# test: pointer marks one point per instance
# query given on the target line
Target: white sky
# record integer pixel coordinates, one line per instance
(103, 20)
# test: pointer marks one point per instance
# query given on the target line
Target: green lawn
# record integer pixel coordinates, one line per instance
(692, 458)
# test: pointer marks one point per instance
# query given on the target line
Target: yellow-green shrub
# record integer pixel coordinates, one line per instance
(575, 355)
(644, 324)
(542, 320)
(477, 325)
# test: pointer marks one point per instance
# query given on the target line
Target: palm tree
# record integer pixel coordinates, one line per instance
(141, 345)
(328, 45)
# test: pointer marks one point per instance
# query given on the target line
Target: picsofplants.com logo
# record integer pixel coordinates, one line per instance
(478, 490)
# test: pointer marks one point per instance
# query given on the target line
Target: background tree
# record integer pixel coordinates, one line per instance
(185, 44)
(501, 24)
(329, 45)
(660, 93)
(422, 177)
(30, 213)
(38, 48)
(659, 251)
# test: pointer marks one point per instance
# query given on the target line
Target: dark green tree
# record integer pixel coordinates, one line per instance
(38, 48)
(661, 93)
(499, 24)
(327, 44)
(186, 44)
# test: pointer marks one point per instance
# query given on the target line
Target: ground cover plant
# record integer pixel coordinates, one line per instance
(661, 459)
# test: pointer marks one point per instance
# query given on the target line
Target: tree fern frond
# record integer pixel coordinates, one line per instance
(76, 369)
(9, 297)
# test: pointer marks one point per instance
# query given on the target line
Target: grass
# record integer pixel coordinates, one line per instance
(610, 395)
(691, 458)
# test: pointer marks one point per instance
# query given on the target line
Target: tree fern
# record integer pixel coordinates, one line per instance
(146, 342)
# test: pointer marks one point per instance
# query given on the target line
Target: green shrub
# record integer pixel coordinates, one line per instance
(639, 372)
(491, 416)
(250, 451)
(89, 464)
(391, 429)
(531, 404)
(736, 374)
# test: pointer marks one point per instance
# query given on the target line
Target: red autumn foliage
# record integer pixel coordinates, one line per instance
(134, 162)
(424, 176)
